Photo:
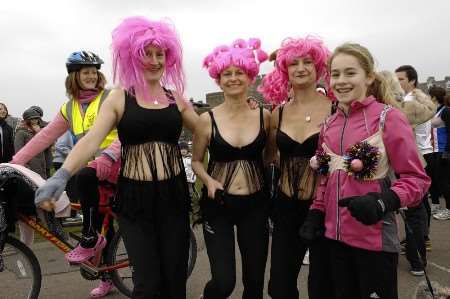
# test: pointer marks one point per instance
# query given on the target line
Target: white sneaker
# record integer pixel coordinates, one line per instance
(435, 209)
(442, 215)
(306, 258)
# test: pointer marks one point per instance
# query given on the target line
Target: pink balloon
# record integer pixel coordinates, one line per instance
(356, 165)
(313, 163)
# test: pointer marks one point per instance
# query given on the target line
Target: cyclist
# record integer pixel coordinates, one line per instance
(85, 86)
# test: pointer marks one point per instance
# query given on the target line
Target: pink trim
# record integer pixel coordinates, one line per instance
(41, 141)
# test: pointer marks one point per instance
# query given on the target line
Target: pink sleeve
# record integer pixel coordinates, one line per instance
(114, 150)
(319, 200)
(401, 148)
(44, 139)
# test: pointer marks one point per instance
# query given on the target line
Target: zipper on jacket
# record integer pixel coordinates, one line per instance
(338, 237)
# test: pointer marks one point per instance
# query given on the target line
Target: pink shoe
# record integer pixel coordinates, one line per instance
(80, 254)
(103, 289)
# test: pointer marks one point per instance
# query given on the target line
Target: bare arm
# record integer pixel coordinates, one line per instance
(108, 116)
(190, 117)
(200, 143)
(271, 152)
(437, 122)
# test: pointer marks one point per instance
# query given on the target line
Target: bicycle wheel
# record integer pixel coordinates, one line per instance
(192, 252)
(122, 278)
(21, 275)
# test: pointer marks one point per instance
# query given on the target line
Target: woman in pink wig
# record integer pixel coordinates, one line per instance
(234, 193)
(152, 200)
(300, 64)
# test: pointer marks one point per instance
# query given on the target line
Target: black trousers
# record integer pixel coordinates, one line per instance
(440, 180)
(363, 274)
(288, 249)
(416, 218)
(249, 214)
(320, 273)
(158, 251)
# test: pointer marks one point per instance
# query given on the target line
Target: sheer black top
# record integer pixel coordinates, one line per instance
(226, 160)
(294, 157)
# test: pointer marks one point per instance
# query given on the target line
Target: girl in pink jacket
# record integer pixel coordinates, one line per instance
(363, 147)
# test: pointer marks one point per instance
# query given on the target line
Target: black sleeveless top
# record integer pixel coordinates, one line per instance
(294, 157)
(152, 166)
(226, 160)
(150, 134)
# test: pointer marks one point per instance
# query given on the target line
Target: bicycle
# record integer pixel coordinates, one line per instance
(20, 265)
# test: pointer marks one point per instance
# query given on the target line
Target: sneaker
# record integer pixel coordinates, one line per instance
(103, 289)
(80, 254)
(306, 258)
(417, 272)
(428, 245)
(76, 220)
(442, 215)
(435, 209)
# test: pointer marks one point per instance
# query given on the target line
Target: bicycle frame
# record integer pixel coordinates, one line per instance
(66, 247)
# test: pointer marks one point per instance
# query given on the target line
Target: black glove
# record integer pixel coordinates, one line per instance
(313, 227)
(370, 208)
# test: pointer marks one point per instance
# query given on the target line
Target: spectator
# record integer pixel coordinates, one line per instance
(6, 136)
(441, 129)
(26, 130)
(417, 216)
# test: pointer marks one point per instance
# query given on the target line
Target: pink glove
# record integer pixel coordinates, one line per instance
(102, 164)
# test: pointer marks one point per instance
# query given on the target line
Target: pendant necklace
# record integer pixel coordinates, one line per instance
(308, 118)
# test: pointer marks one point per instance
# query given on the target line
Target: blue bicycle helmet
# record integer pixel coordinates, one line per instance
(80, 59)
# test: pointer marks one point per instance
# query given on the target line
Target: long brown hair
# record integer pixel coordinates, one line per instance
(73, 84)
(379, 88)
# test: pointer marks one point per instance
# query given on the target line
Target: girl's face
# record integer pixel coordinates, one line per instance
(3, 112)
(302, 71)
(234, 81)
(154, 63)
(88, 77)
(349, 80)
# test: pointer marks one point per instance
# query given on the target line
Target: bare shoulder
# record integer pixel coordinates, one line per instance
(204, 124)
(181, 101)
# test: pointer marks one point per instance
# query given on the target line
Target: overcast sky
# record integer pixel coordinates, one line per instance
(37, 36)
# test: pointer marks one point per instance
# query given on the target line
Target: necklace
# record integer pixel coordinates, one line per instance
(308, 118)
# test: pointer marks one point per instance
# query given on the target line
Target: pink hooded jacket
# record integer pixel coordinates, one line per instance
(340, 132)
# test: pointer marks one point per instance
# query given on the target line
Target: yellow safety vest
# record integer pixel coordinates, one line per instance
(80, 122)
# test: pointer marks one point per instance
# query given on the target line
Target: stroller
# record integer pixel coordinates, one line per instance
(17, 188)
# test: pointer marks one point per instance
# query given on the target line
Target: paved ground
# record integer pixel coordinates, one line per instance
(62, 281)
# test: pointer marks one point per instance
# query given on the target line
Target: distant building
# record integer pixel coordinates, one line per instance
(431, 81)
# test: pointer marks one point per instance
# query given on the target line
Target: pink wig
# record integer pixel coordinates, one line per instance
(245, 55)
(129, 41)
(275, 85)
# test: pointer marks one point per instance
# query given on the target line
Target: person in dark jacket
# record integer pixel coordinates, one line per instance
(6, 136)
(26, 130)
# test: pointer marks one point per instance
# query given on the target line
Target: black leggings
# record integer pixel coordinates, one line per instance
(249, 214)
(288, 250)
(158, 251)
(362, 274)
(84, 188)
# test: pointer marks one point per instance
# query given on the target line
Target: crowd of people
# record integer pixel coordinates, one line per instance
(342, 150)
